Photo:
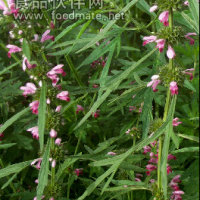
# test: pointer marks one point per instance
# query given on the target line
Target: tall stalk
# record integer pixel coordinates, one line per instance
(166, 110)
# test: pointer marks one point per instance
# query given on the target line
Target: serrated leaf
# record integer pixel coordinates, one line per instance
(194, 7)
(188, 85)
(14, 168)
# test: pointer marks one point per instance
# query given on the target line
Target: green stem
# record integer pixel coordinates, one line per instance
(52, 168)
(74, 70)
(168, 101)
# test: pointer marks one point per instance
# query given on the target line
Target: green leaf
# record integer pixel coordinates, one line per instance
(108, 26)
(13, 119)
(105, 71)
(43, 173)
(165, 150)
(122, 157)
(64, 32)
(42, 115)
(68, 162)
(5, 146)
(188, 85)
(194, 8)
(144, 6)
(112, 85)
(26, 49)
(187, 149)
(14, 168)
(10, 67)
(189, 137)
(90, 189)
(9, 181)
(190, 21)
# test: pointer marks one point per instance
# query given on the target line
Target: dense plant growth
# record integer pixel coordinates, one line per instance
(99, 100)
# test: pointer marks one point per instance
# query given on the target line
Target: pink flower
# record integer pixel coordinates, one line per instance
(30, 88)
(153, 160)
(169, 169)
(79, 108)
(45, 36)
(58, 109)
(137, 180)
(150, 168)
(36, 181)
(95, 86)
(26, 64)
(189, 73)
(176, 179)
(175, 122)
(152, 181)
(52, 25)
(41, 197)
(51, 198)
(58, 87)
(153, 8)
(176, 194)
(53, 164)
(58, 141)
(52, 74)
(170, 52)
(53, 133)
(13, 49)
(147, 149)
(57, 70)
(154, 83)
(34, 132)
(149, 39)
(111, 153)
(36, 37)
(10, 9)
(186, 3)
(1, 134)
(173, 88)
(171, 157)
(127, 132)
(131, 108)
(38, 161)
(79, 171)
(64, 95)
(139, 175)
(164, 17)
(188, 37)
(34, 107)
(160, 44)
(48, 101)
(96, 114)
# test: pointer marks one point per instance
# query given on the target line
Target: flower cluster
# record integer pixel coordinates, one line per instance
(154, 158)
(170, 35)
(173, 84)
(176, 192)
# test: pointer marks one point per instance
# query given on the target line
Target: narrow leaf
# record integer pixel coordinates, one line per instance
(43, 174)
(42, 115)
(13, 119)
(26, 49)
